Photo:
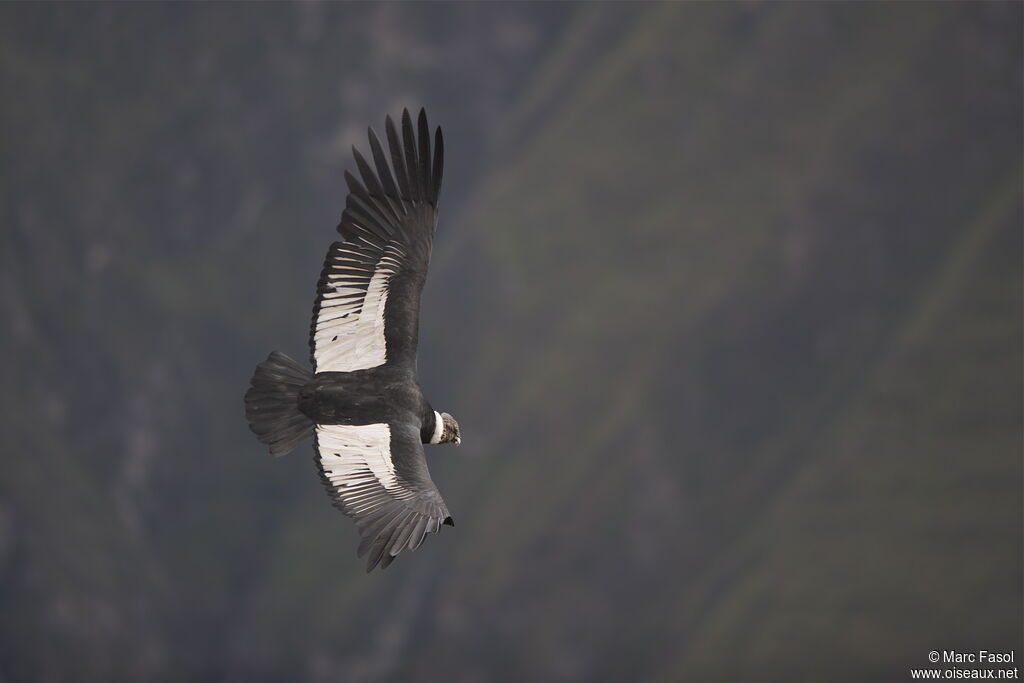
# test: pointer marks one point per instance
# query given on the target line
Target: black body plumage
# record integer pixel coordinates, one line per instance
(366, 397)
(362, 402)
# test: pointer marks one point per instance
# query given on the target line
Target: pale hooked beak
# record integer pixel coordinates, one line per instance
(458, 440)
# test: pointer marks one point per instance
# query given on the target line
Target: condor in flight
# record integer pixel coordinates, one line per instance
(362, 402)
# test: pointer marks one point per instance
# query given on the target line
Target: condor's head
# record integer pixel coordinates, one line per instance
(446, 429)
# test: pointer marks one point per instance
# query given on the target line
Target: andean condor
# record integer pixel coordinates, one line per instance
(362, 402)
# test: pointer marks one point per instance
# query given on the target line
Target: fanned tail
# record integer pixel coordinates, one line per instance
(272, 404)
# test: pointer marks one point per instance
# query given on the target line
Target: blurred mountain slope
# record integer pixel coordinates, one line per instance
(726, 298)
(914, 492)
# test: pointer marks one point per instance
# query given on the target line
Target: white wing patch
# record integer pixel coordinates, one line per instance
(350, 325)
(354, 455)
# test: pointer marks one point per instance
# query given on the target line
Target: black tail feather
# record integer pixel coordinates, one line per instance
(272, 404)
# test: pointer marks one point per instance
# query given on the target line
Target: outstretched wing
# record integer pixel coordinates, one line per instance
(377, 475)
(368, 297)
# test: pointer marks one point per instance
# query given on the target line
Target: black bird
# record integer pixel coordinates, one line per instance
(362, 402)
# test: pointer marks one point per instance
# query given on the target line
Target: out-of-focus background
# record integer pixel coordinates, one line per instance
(726, 297)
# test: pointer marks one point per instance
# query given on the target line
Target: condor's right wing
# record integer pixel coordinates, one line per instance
(377, 475)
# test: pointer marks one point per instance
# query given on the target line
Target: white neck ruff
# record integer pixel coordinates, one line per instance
(438, 428)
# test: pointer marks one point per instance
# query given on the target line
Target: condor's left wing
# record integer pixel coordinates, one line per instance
(368, 297)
